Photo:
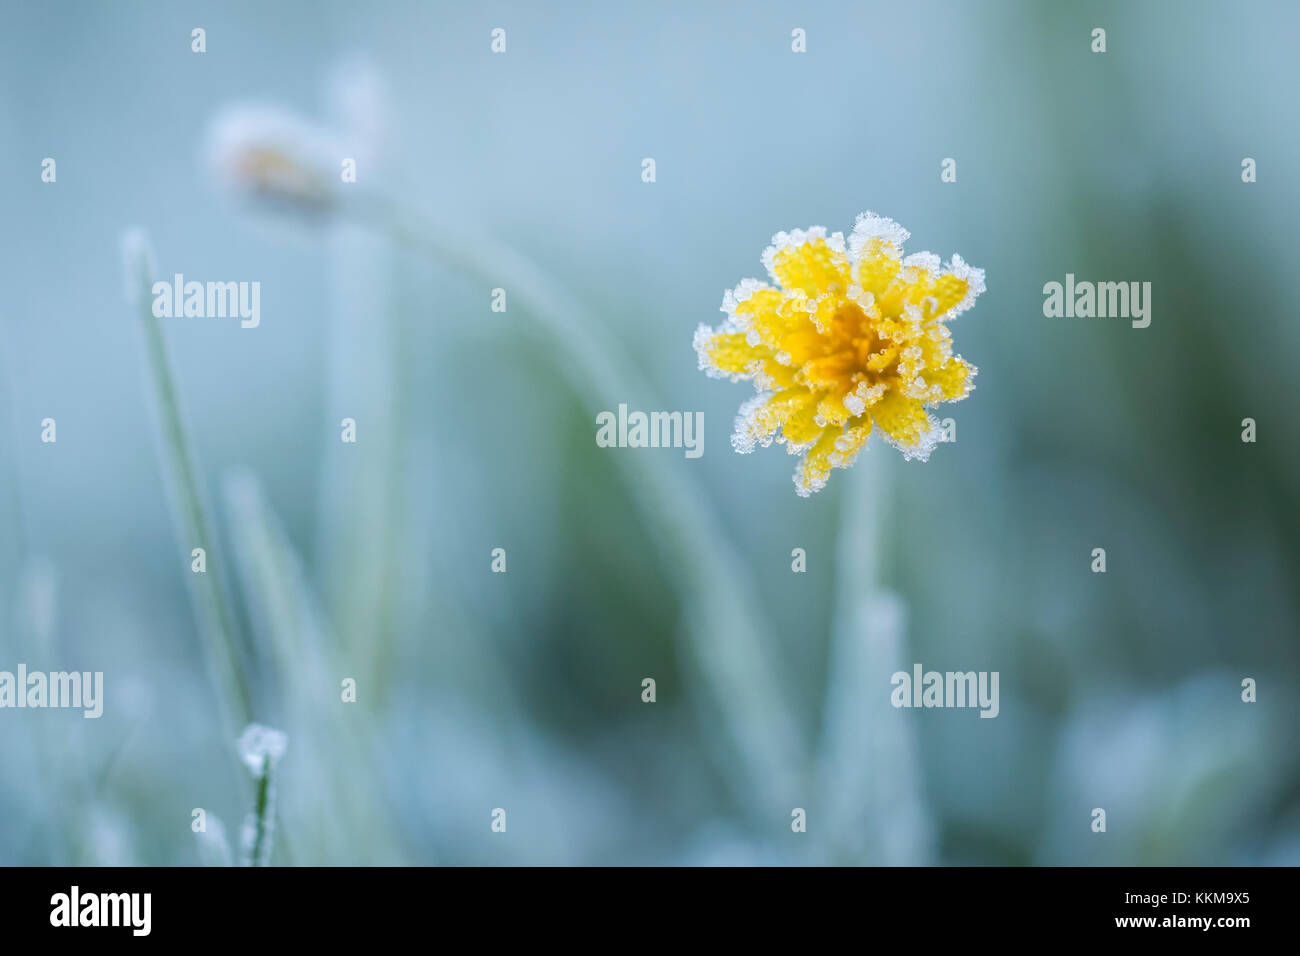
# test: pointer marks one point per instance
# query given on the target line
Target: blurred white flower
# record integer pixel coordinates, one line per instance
(269, 154)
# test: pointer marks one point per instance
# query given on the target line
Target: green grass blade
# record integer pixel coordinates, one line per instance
(191, 516)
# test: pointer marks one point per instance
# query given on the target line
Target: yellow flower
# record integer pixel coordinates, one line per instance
(847, 339)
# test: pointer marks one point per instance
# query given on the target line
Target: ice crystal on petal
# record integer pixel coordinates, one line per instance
(849, 339)
(974, 279)
(870, 226)
(732, 298)
(922, 260)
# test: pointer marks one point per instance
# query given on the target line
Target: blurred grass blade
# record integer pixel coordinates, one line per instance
(275, 588)
(214, 847)
(731, 642)
(192, 518)
(259, 853)
(336, 817)
(260, 748)
(13, 524)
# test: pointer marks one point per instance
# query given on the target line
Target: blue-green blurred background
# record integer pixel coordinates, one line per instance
(523, 690)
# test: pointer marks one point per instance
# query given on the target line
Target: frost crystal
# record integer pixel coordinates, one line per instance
(257, 743)
(139, 267)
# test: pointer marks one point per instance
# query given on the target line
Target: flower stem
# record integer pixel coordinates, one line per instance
(870, 777)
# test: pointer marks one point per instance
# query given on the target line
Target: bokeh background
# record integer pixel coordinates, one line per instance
(476, 430)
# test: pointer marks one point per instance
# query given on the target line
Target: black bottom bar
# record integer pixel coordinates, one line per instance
(367, 905)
